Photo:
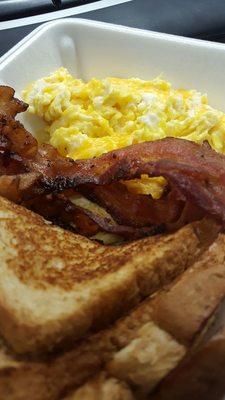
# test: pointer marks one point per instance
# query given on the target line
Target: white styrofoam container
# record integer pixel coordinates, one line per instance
(92, 49)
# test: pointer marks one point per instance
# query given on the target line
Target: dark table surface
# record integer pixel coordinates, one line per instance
(203, 19)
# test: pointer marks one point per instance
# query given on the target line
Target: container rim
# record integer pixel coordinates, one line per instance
(113, 27)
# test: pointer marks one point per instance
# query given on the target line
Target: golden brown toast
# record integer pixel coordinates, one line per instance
(55, 286)
(139, 349)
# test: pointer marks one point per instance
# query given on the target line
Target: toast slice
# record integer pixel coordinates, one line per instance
(180, 316)
(55, 286)
(200, 376)
(138, 349)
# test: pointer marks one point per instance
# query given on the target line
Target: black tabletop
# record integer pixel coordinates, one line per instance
(13, 9)
(193, 18)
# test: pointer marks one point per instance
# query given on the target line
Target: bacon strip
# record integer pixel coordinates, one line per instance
(196, 172)
(16, 139)
(60, 210)
(130, 162)
(21, 187)
(9, 105)
(123, 205)
(28, 190)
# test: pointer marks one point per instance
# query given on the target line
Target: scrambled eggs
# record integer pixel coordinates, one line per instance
(87, 119)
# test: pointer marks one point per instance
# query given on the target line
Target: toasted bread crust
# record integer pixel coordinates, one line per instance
(123, 350)
(63, 259)
(64, 284)
(208, 296)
